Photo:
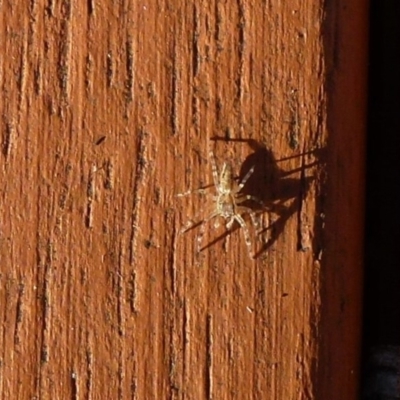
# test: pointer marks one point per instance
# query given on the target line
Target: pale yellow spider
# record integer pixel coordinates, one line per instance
(227, 203)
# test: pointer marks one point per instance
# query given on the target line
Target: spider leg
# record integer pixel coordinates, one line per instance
(190, 225)
(253, 213)
(200, 190)
(230, 223)
(244, 180)
(253, 216)
(202, 230)
(246, 233)
(241, 198)
(214, 169)
(194, 221)
(255, 221)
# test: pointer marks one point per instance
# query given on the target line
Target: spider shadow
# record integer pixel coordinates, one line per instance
(222, 236)
(274, 187)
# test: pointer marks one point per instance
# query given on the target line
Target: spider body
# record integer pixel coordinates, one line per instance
(227, 203)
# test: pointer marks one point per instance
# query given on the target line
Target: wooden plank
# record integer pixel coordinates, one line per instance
(109, 110)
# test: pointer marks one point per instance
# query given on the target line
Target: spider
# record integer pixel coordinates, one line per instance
(228, 203)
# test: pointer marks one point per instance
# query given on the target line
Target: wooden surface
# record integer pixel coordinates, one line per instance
(108, 110)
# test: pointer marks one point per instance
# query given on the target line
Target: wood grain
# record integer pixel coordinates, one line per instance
(108, 111)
